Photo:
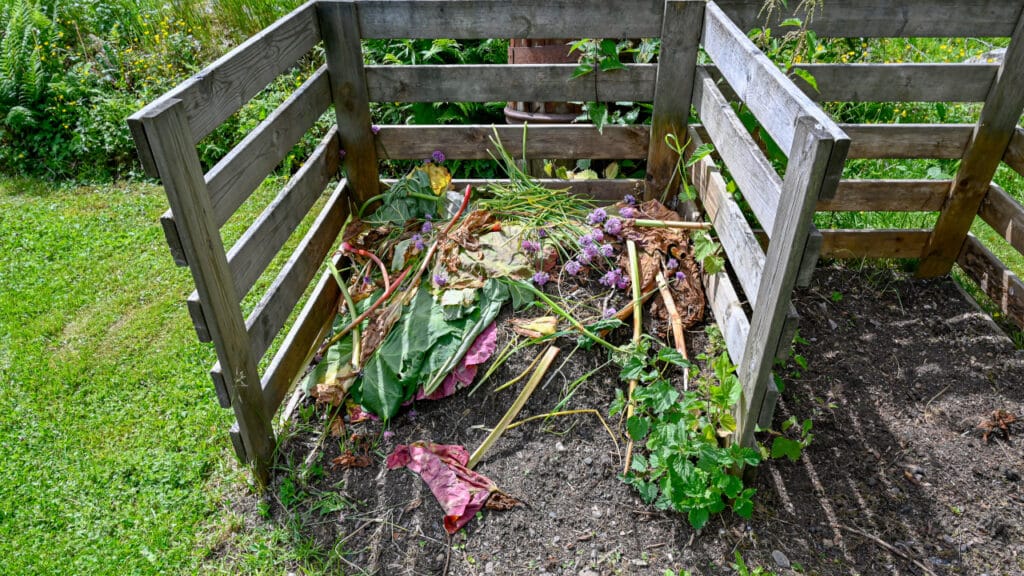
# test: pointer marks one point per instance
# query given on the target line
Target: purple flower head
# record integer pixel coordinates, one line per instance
(623, 282)
(440, 279)
(573, 267)
(531, 246)
(586, 240)
(417, 242)
(680, 276)
(613, 226)
(591, 251)
(376, 130)
(388, 435)
(585, 258)
(367, 280)
(672, 264)
(630, 199)
(428, 217)
(542, 233)
(427, 227)
(607, 250)
(608, 313)
(541, 278)
(611, 278)
(437, 157)
(598, 216)
(628, 213)
(597, 235)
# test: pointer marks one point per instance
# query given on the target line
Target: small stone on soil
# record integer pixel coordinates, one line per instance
(780, 559)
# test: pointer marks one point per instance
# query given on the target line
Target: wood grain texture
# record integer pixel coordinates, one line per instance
(993, 277)
(680, 42)
(220, 89)
(873, 244)
(338, 21)
(232, 180)
(812, 157)
(760, 185)
(741, 247)
(907, 141)
(729, 313)
(272, 311)
(473, 142)
(758, 82)
(504, 82)
(896, 18)
(898, 82)
(996, 126)
(1014, 156)
(1005, 215)
(171, 237)
(887, 196)
(812, 253)
(301, 341)
(468, 19)
(174, 153)
(261, 242)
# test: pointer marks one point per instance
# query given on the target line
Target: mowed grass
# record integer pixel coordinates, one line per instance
(116, 458)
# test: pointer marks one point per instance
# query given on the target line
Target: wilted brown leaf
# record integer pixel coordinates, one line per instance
(501, 501)
(348, 460)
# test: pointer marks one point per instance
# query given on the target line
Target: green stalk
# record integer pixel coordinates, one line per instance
(357, 337)
(642, 223)
(638, 327)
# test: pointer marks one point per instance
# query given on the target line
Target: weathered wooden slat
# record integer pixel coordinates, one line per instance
(680, 43)
(757, 180)
(882, 18)
(758, 82)
(898, 82)
(171, 236)
(251, 254)
(601, 191)
(812, 253)
(1014, 156)
(887, 196)
(996, 126)
(734, 233)
(503, 82)
(814, 155)
(273, 309)
(873, 244)
(1005, 215)
(220, 89)
(901, 141)
(469, 19)
(343, 48)
(166, 128)
(247, 165)
(300, 343)
(473, 142)
(997, 281)
(729, 313)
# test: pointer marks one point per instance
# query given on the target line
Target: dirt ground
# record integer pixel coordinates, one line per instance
(898, 480)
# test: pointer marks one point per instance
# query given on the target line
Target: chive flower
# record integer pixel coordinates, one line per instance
(541, 278)
(672, 264)
(613, 226)
(542, 233)
(598, 216)
(630, 199)
(427, 227)
(376, 130)
(438, 157)
(628, 213)
(531, 246)
(597, 235)
(607, 250)
(608, 313)
(680, 276)
(440, 279)
(573, 267)
(417, 242)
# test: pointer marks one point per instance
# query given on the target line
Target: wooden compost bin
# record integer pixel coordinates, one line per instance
(756, 316)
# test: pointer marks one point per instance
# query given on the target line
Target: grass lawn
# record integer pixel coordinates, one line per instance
(116, 454)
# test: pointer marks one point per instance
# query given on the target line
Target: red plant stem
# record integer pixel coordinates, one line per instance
(447, 229)
(387, 294)
(346, 247)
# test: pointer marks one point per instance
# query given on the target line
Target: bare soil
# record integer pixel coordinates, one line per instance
(900, 373)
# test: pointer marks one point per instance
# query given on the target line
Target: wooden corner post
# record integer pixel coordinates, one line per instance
(992, 135)
(167, 133)
(815, 161)
(339, 27)
(673, 91)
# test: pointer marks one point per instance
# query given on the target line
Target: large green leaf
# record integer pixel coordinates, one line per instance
(381, 391)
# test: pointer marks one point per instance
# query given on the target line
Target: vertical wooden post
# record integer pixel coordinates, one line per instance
(681, 29)
(168, 135)
(812, 163)
(339, 27)
(992, 134)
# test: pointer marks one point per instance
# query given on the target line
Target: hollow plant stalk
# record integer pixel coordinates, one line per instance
(677, 324)
(638, 328)
(357, 336)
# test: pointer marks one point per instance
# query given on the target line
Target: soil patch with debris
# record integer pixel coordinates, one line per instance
(900, 376)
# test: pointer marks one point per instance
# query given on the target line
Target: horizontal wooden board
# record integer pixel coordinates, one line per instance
(757, 180)
(468, 19)
(888, 196)
(758, 82)
(898, 82)
(730, 316)
(1014, 156)
(504, 82)
(895, 18)
(300, 342)
(993, 277)
(473, 142)
(853, 244)
(297, 273)
(905, 141)
(1005, 215)
(219, 90)
(247, 165)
